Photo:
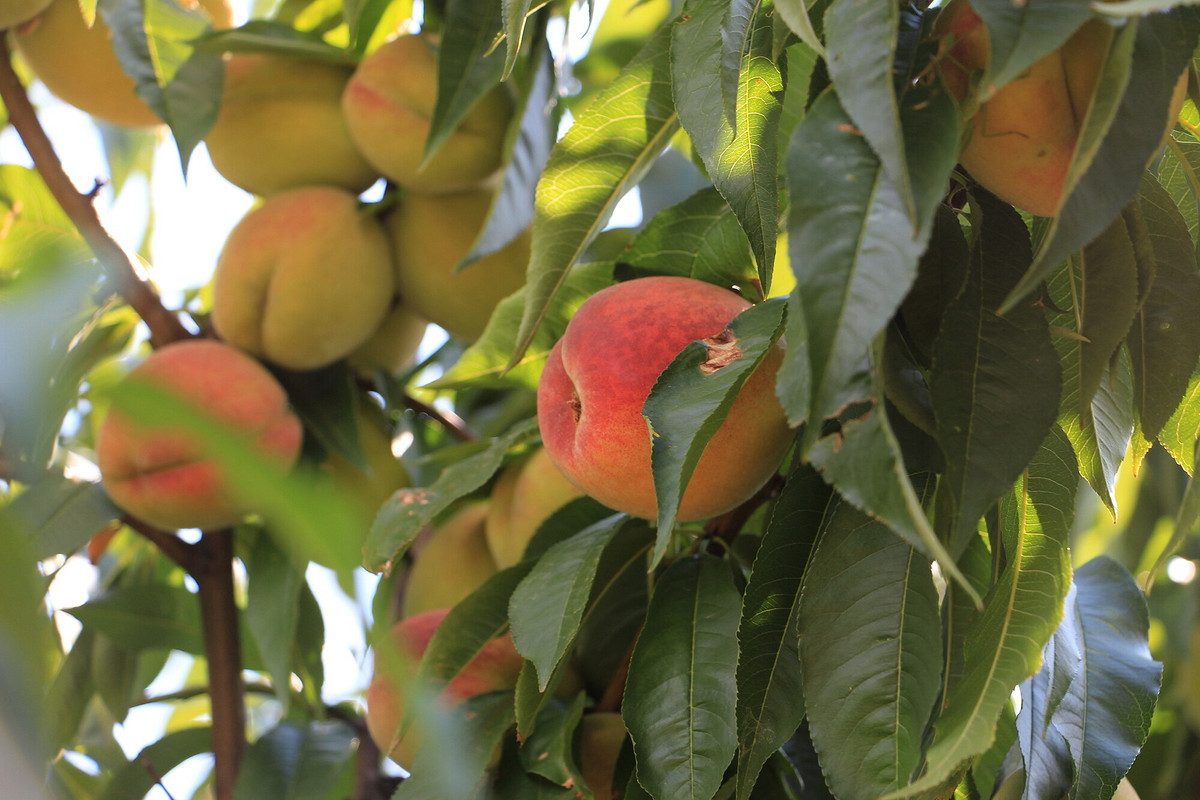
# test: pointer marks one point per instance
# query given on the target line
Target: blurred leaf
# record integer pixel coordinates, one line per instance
(363, 18)
(770, 699)
(35, 232)
(691, 399)
(143, 772)
(276, 38)
(727, 91)
(860, 37)
(871, 649)
(548, 604)
(1020, 35)
(602, 156)
(272, 610)
(1164, 341)
(994, 380)
(468, 66)
(409, 510)
(515, 12)
(114, 670)
(182, 86)
(1111, 156)
(69, 692)
(679, 697)
(853, 250)
(145, 615)
(326, 400)
(697, 238)
(1105, 716)
(60, 515)
(1020, 613)
(296, 761)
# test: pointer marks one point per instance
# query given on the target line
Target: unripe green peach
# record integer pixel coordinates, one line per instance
(393, 346)
(525, 495)
(303, 279)
(280, 126)
(389, 105)
(79, 66)
(454, 562)
(599, 374)
(14, 12)
(162, 475)
(430, 235)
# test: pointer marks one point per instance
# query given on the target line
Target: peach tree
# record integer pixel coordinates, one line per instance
(972, 575)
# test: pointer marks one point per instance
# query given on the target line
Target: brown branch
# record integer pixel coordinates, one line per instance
(448, 419)
(213, 572)
(118, 265)
(173, 547)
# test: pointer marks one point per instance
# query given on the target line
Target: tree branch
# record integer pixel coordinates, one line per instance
(448, 419)
(118, 265)
(213, 571)
(173, 547)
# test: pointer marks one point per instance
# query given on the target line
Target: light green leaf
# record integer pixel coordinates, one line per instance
(60, 515)
(469, 66)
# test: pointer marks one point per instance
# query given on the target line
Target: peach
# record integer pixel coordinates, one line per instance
(431, 235)
(280, 126)
(599, 374)
(393, 346)
(303, 279)
(162, 475)
(79, 66)
(495, 668)
(1023, 136)
(15, 12)
(525, 495)
(388, 106)
(454, 562)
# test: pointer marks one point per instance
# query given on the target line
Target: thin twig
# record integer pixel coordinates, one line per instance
(118, 265)
(173, 547)
(451, 421)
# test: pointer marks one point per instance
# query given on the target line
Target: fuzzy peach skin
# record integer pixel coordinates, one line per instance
(525, 495)
(389, 105)
(1023, 136)
(494, 668)
(303, 279)
(161, 475)
(280, 126)
(452, 563)
(599, 374)
(431, 234)
(79, 66)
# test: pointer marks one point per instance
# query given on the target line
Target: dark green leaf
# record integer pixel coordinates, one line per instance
(548, 751)
(689, 402)
(1018, 35)
(770, 699)
(793, 384)
(468, 65)
(326, 401)
(679, 698)
(296, 761)
(273, 609)
(143, 616)
(604, 154)
(515, 12)
(267, 36)
(870, 645)
(994, 380)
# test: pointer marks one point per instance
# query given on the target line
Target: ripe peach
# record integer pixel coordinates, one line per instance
(303, 279)
(280, 126)
(495, 668)
(1023, 136)
(15, 12)
(430, 235)
(597, 378)
(525, 495)
(389, 104)
(452, 564)
(162, 475)
(79, 66)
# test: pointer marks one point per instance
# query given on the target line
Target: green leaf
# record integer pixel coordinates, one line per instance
(1105, 717)
(793, 383)
(273, 609)
(770, 696)
(327, 402)
(603, 155)
(1018, 35)
(852, 247)
(727, 90)
(548, 751)
(515, 12)
(406, 512)
(870, 646)
(1164, 341)
(181, 85)
(1020, 613)
(142, 773)
(690, 401)
(994, 380)
(1182, 431)
(69, 692)
(296, 761)
(36, 229)
(146, 615)
(860, 38)
(469, 66)
(679, 697)
(1105, 172)
(60, 515)
(548, 604)
(276, 38)
(697, 238)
